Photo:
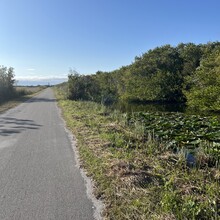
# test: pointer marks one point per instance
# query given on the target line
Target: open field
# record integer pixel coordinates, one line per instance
(29, 89)
(136, 175)
(23, 94)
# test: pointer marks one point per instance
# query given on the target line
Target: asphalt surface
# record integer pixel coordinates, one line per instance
(38, 174)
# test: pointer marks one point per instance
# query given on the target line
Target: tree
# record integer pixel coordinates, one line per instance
(204, 93)
(155, 76)
(6, 83)
(82, 87)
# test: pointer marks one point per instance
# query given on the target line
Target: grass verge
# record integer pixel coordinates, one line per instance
(22, 95)
(135, 175)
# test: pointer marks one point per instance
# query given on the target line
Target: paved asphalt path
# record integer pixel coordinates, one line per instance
(39, 179)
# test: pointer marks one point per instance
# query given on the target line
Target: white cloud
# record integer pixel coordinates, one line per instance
(30, 69)
(36, 78)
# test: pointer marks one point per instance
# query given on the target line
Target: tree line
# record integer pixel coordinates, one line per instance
(186, 73)
(7, 90)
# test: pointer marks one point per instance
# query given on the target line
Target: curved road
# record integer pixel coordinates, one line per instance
(39, 179)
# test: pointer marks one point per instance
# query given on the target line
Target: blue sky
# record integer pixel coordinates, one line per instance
(44, 38)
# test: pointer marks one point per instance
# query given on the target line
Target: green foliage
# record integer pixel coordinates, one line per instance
(204, 92)
(107, 86)
(153, 76)
(167, 74)
(178, 131)
(134, 173)
(6, 83)
(170, 201)
(82, 87)
(99, 87)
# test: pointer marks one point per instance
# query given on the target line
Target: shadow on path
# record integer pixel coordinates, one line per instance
(37, 99)
(9, 126)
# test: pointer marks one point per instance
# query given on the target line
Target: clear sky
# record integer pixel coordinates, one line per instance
(44, 38)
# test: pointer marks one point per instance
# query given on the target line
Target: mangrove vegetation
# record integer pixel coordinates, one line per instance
(151, 164)
(187, 73)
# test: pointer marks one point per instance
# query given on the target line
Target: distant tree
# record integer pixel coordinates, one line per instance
(82, 87)
(6, 83)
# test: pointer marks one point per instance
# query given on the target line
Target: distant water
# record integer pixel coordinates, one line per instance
(42, 82)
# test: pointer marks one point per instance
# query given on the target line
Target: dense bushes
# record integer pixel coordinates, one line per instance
(99, 87)
(82, 87)
(204, 92)
(7, 80)
(164, 74)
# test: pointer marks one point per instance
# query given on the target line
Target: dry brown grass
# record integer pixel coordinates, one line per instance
(31, 91)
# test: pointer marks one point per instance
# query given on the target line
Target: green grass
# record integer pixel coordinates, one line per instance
(135, 175)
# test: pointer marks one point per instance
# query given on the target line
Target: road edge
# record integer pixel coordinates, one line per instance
(89, 183)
